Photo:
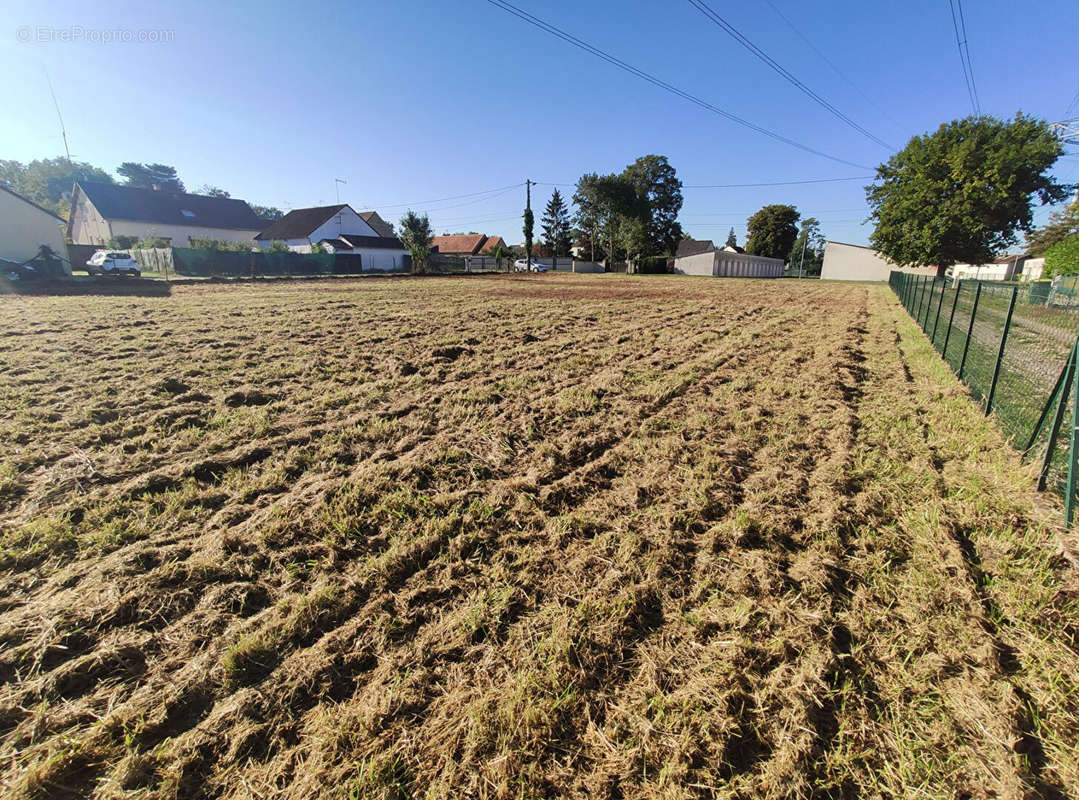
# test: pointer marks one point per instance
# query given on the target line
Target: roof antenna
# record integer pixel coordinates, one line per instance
(337, 186)
(56, 103)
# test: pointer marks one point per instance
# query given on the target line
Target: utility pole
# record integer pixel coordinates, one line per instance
(802, 265)
(528, 210)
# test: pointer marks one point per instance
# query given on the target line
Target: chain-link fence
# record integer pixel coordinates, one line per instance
(1013, 345)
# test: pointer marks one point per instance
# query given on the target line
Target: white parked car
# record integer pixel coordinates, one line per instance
(106, 262)
(522, 265)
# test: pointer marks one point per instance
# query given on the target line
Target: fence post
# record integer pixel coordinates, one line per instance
(929, 305)
(951, 318)
(1000, 352)
(1058, 418)
(1073, 457)
(940, 305)
(927, 299)
(920, 295)
(970, 329)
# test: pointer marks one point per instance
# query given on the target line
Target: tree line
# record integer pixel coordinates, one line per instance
(48, 181)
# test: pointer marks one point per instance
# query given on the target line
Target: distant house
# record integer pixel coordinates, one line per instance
(1004, 268)
(701, 257)
(100, 211)
(339, 229)
(468, 244)
(25, 226)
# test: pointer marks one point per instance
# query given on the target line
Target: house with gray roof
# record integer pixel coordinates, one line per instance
(101, 211)
(339, 229)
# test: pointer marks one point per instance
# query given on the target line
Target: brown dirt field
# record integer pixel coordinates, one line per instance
(518, 537)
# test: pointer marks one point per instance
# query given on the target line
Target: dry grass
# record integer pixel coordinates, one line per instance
(517, 537)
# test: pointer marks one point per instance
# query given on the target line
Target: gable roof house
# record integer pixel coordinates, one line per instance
(100, 211)
(25, 227)
(339, 229)
(464, 244)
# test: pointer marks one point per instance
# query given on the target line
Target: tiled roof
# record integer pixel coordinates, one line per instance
(463, 244)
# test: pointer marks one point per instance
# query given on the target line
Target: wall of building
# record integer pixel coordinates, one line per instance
(383, 259)
(24, 228)
(87, 226)
(989, 272)
(1033, 269)
(742, 265)
(700, 264)
(178, 235)
(849, 262)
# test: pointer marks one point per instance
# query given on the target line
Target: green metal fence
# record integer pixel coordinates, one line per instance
(1014, 346)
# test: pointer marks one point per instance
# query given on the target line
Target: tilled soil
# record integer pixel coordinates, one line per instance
(518, 537)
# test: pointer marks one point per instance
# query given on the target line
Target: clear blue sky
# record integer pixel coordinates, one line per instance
(414, 101)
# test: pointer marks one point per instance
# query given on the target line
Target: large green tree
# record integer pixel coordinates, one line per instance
(589, 216)
(772, 230)
(732, 240)
(807, 252)
(416, 236)
(1063, 257)
(659, 193)
(1060, 226)
(557, 236)
(603, 203)
(48, 181)
(267, 212)
(150, 176)
(959, 195)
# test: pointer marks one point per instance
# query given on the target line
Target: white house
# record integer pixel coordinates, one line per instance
(100, 211)
(701, 257)
(339, 229)
(25, 226)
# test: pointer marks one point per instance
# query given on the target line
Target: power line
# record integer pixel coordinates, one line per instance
(1071, 105)
(744, 185)
(964, 55)
(570, 39)
(809, 42)
(775, 183)
(500, 189)
(739, 37)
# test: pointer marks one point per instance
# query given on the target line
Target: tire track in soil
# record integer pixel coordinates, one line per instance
(194, 718)
(417, 710)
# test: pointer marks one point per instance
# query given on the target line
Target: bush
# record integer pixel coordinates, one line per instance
(278, 247)
(122, 242)
(1063, 257)
(151, 244)
(219, 244)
